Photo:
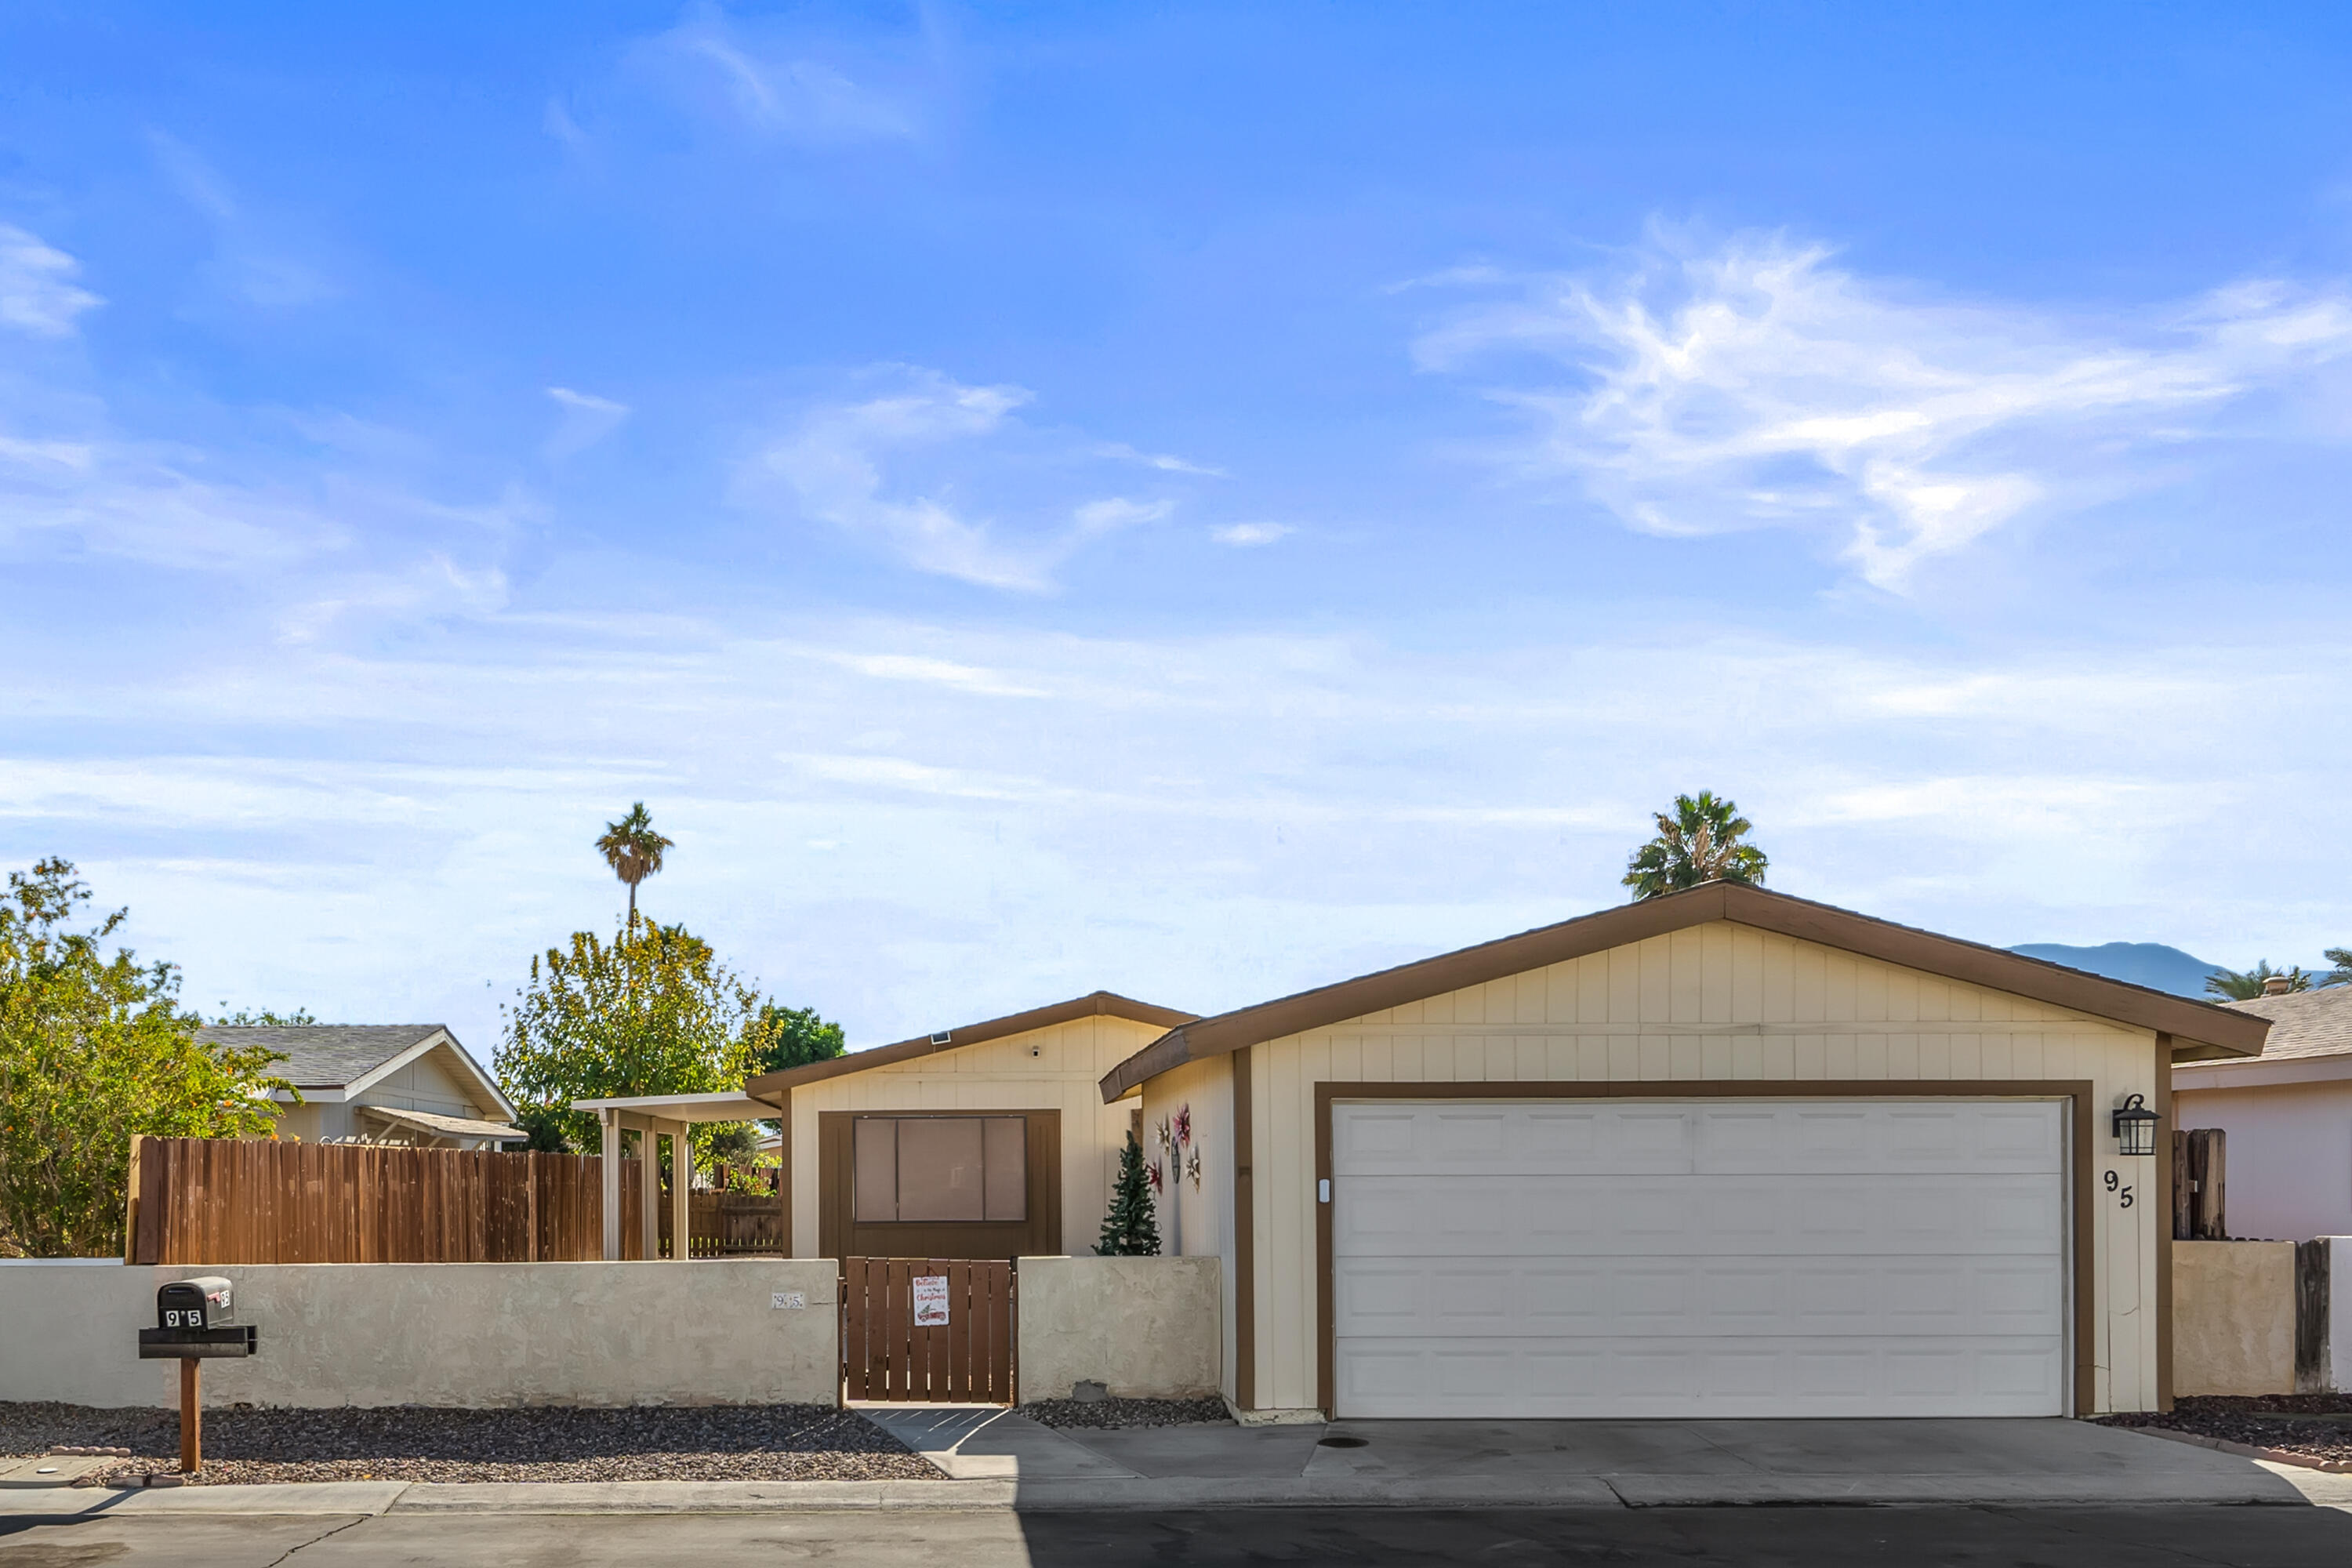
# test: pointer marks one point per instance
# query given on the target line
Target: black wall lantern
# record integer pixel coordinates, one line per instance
(2135, 1127)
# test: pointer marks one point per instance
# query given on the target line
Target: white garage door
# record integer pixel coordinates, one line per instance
(1725, 1257)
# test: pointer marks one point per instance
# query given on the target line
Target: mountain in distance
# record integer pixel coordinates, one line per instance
(2149, 963)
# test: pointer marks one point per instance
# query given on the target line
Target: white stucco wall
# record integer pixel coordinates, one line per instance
(1147, 1328)
(2288, 1158)
(475, 1334)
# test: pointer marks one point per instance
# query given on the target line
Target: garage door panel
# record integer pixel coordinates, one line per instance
(1663, 1258)
(1823, 1215)
(1730, 1377)
(1605, 1298)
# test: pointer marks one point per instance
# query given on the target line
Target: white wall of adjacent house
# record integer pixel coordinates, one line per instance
(2287, 1162)
(1718, 1003)
(1059, 1068)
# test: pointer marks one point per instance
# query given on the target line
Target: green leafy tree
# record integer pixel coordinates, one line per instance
(1130, 1229)
(250, 1018)
(633, 851)
(1698, 841)
(653, 1011)
(2255, 982)
(2341, 957)
(94, 1049)
(792, 1037)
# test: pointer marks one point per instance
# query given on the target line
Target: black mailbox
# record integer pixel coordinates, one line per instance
(207, 1302)
(196, 1319)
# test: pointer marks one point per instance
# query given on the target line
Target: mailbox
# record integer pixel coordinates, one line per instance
(207, 1302)
(196, 1319)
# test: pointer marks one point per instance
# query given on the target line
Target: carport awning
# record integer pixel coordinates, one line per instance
(730, 1105)
(440, 1126)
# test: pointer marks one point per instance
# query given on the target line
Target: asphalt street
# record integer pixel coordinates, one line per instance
(2267, 1537)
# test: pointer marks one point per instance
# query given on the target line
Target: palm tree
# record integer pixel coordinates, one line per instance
(2341, 957)
(1698, 841)
(633, 851)
(2255, 982)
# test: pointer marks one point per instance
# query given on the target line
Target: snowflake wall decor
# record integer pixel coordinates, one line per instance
(1183, 1127)
(1192, 1169)
(1158, 1182)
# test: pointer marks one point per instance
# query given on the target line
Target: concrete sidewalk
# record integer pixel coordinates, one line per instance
(991, 1458)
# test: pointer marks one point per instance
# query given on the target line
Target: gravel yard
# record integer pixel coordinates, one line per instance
(670, 1442)
(1128, 1413)
(2317, 1426)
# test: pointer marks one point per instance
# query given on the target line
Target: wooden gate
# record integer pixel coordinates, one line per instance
(935, 1330)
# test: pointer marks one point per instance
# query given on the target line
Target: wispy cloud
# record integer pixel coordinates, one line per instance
(1160, 460)
(776, 90)
(587, 419)
(1756, 383)
(37, 293)
(836, 465)
(1245, 535)
(253, 257)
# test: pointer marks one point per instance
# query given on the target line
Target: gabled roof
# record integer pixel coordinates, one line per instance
(339, 1060)
(432, 1121)
(2304, 1022)
(771, 1087)
(2199, 1029)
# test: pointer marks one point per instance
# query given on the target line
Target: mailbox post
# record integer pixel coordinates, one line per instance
(195, 1320)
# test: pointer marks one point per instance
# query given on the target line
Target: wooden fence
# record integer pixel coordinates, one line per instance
(219, 1200)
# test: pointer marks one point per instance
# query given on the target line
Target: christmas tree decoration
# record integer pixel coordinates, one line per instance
(1130, 1229)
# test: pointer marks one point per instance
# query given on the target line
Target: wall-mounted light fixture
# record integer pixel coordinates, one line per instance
(2136, 1126)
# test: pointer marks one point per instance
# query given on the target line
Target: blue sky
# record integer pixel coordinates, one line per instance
(1196, 500)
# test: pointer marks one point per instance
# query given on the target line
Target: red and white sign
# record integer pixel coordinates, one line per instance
(930, 1300)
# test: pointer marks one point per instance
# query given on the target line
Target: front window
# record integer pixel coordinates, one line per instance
(931, 1169)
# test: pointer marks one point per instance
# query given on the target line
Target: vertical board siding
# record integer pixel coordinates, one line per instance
(221, 1200)
(994, 1075)
(1709, 1003)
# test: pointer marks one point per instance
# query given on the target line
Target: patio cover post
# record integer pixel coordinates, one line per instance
(611, 1144)
(681, 1188)
(649, 1189)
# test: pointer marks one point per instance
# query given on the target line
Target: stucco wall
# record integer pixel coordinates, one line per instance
(2289, 1173)
(1147, 1328)
(703, 1332)
(1062, 1074)
(1714, 1002)
(2233, 1317)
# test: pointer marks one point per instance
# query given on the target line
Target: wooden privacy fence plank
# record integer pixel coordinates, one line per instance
(257, 1201)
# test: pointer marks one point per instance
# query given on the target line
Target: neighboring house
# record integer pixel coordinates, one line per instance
(1724, 1152)
(985, 1141)
(381, 1083)
(2287, 1162)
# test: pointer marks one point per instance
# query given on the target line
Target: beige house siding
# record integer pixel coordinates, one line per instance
(428, 1083)
(1198, 1222)
(1713, 1003)
(1063, 1075)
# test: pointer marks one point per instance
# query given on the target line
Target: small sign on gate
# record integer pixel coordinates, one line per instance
(930, 1300)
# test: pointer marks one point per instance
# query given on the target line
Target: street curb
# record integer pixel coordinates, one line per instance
(2245, 1450)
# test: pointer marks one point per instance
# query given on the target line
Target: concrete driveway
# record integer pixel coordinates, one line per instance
(1605, 1464)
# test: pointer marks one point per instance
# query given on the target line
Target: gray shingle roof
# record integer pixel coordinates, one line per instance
(2304, 1023)
(324, 1056)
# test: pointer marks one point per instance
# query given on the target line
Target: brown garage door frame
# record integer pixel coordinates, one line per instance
(839, 1236)
(2077, 1092)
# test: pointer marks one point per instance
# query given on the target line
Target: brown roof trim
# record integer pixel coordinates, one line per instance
(772, 1086)
(2200, 1029)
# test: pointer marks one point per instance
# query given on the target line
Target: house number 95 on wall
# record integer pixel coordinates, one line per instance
(2123, 1193)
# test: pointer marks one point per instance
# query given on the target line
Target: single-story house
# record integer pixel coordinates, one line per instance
(1724, 1152)
(2287, 1162)
(984, 1140)
(409, 1084)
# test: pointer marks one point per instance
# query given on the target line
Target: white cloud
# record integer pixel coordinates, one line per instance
(1160, 460)
(1245, 534)
(837, 466)
(38, 294)
(1757, 384)
(776, 91)
(587, 419)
